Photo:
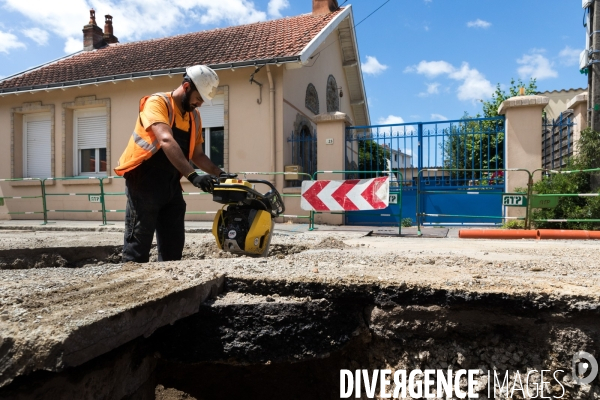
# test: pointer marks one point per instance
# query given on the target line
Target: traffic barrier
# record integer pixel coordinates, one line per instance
(380, 174)
(514, 198)
(101, 195)
(551, 200)
(98, 195)
(41, 196)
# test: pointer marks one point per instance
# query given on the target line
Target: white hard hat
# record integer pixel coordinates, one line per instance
(205, 79)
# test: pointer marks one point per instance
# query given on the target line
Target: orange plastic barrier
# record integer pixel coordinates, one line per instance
(498, 234)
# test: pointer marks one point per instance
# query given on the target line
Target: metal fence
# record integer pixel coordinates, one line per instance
(557, 141)
(304, 151)
(472, 148)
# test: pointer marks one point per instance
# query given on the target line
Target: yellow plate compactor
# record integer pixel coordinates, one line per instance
(245, 224)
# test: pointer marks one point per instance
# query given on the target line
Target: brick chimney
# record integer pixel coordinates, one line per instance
(324, 6)
(108, 30)
(93, 38)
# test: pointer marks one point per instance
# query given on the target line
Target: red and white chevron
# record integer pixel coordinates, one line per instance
(348, 195)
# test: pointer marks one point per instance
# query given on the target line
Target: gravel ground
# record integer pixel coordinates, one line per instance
(42, 307)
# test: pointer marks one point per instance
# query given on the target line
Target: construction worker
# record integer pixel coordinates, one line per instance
(167, 135)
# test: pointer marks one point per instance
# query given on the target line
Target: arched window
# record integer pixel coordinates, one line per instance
(304, 146)
(333, 100)
(312, 99)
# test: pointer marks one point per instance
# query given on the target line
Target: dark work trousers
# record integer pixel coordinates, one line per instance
(155, 203)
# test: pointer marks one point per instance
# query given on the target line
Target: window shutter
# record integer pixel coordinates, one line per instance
(38, 149)
(213, 116)
(91, 132)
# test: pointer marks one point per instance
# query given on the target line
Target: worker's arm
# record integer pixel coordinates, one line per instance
(204, 163)
(167, 142)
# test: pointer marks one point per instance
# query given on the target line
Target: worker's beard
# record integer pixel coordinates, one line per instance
(186, 101)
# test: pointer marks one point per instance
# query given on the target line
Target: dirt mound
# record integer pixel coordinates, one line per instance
(330, 243)
(284, 250)
(197, 251)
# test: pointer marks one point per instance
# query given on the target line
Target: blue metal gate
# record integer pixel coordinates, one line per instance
(457, 155)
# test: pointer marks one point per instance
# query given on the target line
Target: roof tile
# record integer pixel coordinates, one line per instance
(278, 38)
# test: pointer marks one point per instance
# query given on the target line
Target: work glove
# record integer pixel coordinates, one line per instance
(205, 182)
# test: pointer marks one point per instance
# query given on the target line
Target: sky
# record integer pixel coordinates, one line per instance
(422, 60)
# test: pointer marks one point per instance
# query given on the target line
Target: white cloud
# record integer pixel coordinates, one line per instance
(38, 35)
(473, 85)
(432, 88)
(569, 56)
(391, 119)
(133, 19)
(234, 12)
(479, 23)
(535, 66)
(8, 41)
(431, 68)
(73, 45)
(372, 66)
(275, 7)
(438, 117)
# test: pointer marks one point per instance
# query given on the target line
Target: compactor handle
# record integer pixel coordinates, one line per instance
(277, 204)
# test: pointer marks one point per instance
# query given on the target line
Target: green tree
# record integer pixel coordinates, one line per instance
(474, 144)
(372, 157)
(588, 157)
(490, 108)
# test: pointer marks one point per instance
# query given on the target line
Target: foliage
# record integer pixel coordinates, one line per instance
(476, 144)
(490, 108)
(513, 224)
(372, 157)
(588, 157)
(406, 222)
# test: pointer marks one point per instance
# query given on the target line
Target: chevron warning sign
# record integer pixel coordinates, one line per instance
(348, 195)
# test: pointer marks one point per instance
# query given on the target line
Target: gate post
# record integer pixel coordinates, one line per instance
(331, 156)
(522, 142)
(579, 105)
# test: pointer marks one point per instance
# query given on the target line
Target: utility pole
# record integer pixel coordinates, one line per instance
(594, 80)
(594, 68)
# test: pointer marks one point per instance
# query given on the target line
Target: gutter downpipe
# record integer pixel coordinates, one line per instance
(272, 124)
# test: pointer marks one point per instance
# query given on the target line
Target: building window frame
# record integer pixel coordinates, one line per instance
(97, 151)
(68, 131)
(17, 153)
(206, 130)
(207, 145)
(333, 98)
(32, 118)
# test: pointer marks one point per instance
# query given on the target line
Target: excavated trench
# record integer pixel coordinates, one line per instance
(84, 256)
(272, 338)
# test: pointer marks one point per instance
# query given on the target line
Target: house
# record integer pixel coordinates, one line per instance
(72, 117)
(565, 117)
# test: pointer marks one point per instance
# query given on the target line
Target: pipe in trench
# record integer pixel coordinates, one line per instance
(568, 234)
(498, 234)
(527, 234)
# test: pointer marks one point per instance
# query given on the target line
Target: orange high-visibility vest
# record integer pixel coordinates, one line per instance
(143, 143)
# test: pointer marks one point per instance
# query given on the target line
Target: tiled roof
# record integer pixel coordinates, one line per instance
(280, 38)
